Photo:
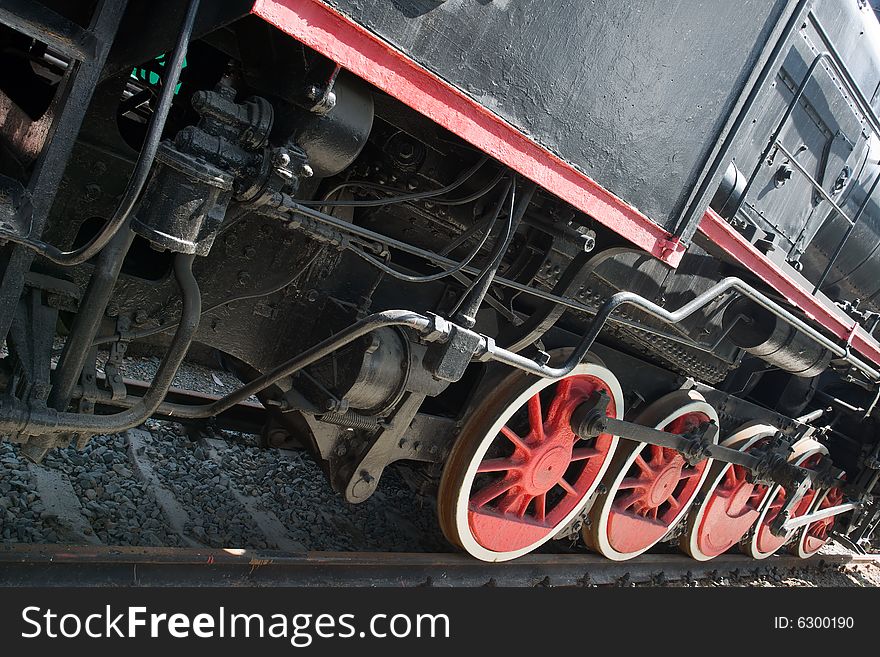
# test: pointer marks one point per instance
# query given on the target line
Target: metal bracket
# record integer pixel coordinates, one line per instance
(359, 478)
(783, 518)
(448, 360)
(115, 360)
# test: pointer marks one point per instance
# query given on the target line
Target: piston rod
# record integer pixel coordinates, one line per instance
(809, 518)
(589, 419)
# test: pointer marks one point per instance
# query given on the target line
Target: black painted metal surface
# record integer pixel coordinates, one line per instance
(635, 94)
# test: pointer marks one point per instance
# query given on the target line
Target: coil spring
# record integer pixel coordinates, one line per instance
(350, 419)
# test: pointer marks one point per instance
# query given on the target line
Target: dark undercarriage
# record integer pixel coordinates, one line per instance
(290, 210)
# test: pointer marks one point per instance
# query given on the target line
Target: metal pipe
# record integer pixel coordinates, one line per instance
(813, 416)
(283, 206)
(291, 206)
(88, 319)
(403, 318)
(437, 329)
(470, 305)
(18, 419)
(141, 170)
(674, 317)
(813, 182)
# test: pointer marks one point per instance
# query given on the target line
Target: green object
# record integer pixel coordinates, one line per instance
(151, 77)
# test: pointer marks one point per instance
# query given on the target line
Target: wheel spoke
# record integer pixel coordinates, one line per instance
(524, 505)
(643, 465)
(674, 503)
(536, 419)
(541, 506)
(688, 473)
(584, 453)
(559, 411)
(627, 501)
(498, 465)
(631, 482)
(567, 487)
(730, 477)
(513, 437)
(484, 496)
(514, 502)
(657, 455)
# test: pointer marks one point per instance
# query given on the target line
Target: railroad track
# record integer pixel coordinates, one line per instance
(80, 505)
(61, 565)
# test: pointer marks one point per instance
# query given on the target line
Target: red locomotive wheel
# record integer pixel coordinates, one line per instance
(649, 488)
(518, 474)
(816, 534)
(761, 542)
(731, 504)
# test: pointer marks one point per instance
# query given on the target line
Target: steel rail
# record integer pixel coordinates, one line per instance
(60, 565)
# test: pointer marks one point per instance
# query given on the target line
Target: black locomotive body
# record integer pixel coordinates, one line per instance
(574, 265)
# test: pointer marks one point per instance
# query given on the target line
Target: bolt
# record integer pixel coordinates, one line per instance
(243, 278)
(250, 252)
(783, 175)
(312, 296)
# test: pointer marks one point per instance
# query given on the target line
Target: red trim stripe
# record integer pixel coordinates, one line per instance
(361, 52)
(724, 235)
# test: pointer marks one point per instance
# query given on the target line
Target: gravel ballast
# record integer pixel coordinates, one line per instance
(157, 485)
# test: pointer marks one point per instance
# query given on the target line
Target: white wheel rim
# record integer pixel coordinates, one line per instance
(697, 405)
(462, 526)
(742, 439)
(807, 447)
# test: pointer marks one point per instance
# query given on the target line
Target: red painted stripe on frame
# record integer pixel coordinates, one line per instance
(361, 52)
(364, 54)
(725, 236)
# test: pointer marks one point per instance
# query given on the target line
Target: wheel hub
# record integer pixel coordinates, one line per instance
(546, 469)
(665, 483)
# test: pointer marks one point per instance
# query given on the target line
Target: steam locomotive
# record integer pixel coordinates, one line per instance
(593, 270)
